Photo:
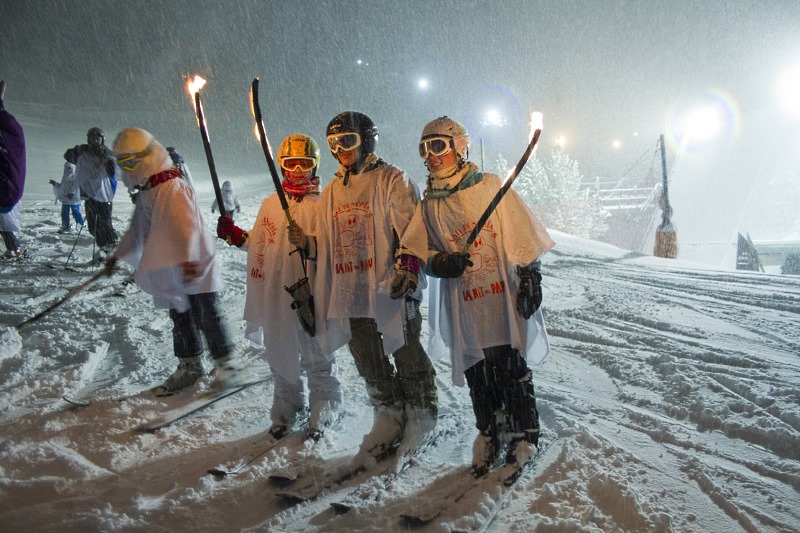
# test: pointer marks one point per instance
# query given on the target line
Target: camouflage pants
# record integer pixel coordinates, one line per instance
(409, 382)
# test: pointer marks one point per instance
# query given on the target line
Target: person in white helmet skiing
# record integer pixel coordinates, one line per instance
(487, 297)
(174, 257)
(292, 352)
(366, 277)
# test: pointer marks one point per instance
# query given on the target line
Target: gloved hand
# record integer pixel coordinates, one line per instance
(449, 264)
(111, 262)
(191, 271)
(298, 237)
(405, 278)
(53, 182)
(230, 232)
(529, 297)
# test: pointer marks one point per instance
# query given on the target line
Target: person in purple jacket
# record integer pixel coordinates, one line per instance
(12, 179)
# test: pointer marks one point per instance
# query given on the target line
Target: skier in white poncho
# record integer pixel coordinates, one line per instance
(174, 257)
(366, 277)
(229, 199)
(484, 299)
(272, 266)
(68, 193)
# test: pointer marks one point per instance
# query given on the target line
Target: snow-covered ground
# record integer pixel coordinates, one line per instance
(670, 403)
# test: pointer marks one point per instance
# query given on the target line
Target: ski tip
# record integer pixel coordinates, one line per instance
(412, 521)
(341, 508)
(76, 403)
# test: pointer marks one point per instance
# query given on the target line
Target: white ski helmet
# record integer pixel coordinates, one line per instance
(139, 156)
(447, 127)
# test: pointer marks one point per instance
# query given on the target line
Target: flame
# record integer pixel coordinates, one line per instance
(194, 86)
(537, 122)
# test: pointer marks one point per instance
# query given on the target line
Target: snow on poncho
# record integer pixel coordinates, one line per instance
(355, 233)
(166, 231)
(271, 322)
(478, 309)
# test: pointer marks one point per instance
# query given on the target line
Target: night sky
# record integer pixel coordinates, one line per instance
(600, 70)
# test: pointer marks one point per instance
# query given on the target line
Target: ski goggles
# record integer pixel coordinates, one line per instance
(130, 162)
(343, 141)
(437, 146)
(291, 164)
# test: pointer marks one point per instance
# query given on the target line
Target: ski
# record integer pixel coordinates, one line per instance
(193, 407)
(361, 497)
(299, 430)
(505, 477)
(341, 473)
(82, 397)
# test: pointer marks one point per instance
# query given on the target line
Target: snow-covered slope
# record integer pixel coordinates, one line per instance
(671, 401)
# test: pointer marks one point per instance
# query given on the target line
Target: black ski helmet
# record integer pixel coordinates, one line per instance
(355, 122)
(96, 132)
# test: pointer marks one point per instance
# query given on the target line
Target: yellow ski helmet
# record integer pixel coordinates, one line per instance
(298, 145)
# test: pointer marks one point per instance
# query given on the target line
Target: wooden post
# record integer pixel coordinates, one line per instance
(666, 237)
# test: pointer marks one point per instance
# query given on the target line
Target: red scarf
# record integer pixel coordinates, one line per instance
(298, 191)
(161, 177)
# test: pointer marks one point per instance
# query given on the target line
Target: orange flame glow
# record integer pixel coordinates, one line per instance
(194, 86)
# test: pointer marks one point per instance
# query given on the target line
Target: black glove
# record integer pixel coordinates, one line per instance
(449, 264)
(53, 182)
(529, 297)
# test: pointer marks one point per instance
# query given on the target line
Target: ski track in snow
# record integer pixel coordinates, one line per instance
(671, 396)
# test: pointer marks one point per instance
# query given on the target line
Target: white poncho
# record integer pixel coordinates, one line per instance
(356, 234)
(478, 309)
(166, 231)
(271, 322)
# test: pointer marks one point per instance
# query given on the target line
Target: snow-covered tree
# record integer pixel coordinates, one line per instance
(554, 190)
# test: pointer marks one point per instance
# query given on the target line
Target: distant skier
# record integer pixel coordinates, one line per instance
(229, 199)
(484, 298)
(95, 173)
(291, 351)
(173, 254)
(68, 193)
(364, 276)
(12, 179)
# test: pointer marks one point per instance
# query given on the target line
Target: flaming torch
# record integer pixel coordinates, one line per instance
(537, 120)
(194, 87)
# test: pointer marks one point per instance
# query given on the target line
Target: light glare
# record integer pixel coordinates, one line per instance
(789, 89)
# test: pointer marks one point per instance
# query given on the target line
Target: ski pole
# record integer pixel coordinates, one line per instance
(194, 89)
(537, 121)
(80, 230)
(83, 286)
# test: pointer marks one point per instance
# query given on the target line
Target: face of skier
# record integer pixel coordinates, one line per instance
(298, 170)
(345, 147)
(348, 158)
(95, 140)
(436, 163)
